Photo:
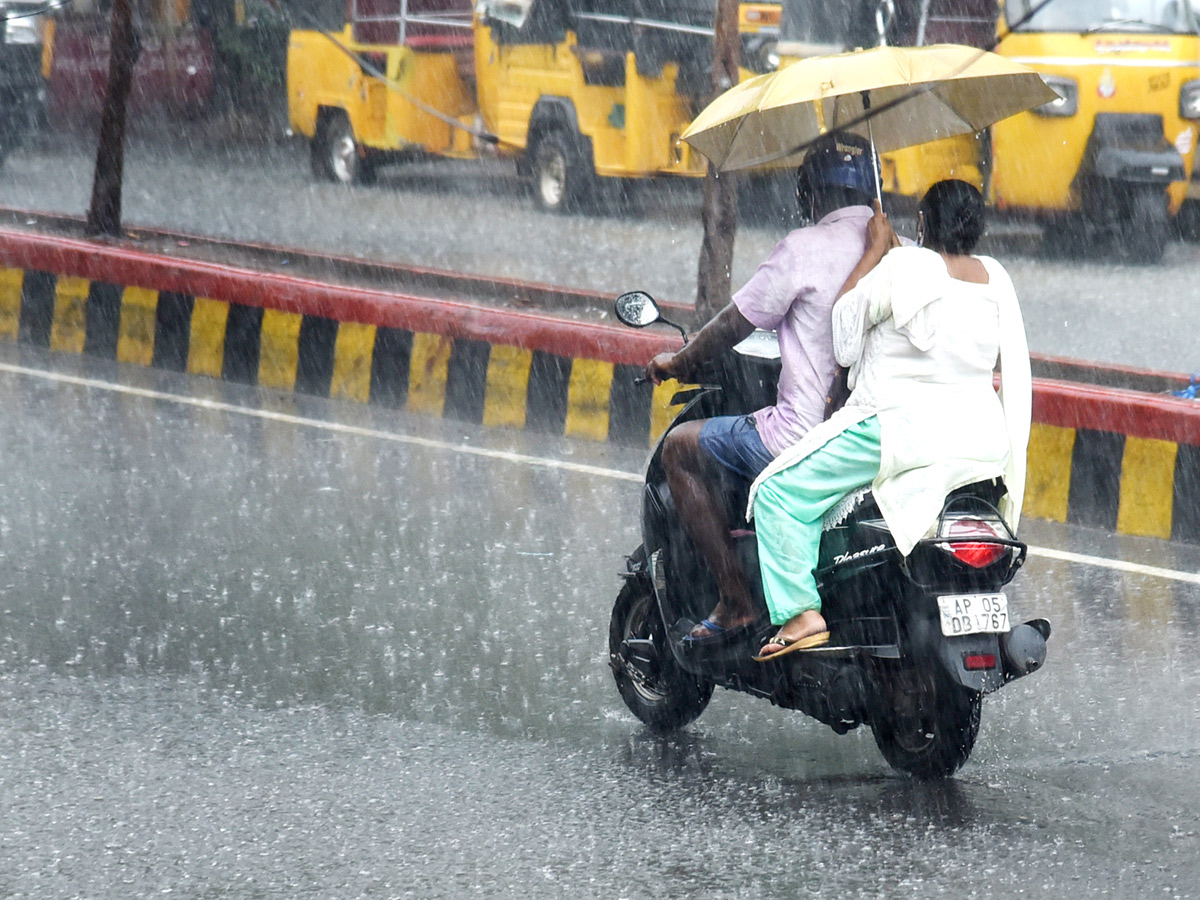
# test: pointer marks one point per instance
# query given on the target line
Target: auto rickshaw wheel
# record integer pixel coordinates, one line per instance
(1064, 237)
(1149, 225)
(562, 178)
(1187, 221)
(335, 153)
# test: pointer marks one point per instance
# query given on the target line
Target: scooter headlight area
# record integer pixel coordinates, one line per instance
(1189, 100)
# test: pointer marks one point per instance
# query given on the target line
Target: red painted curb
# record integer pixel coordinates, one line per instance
(1157, 416)
(493, 286)
(1111, 371)
(98, 261)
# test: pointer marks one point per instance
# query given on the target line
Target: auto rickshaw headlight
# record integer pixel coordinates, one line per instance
(1189, 100)
(1067, 103)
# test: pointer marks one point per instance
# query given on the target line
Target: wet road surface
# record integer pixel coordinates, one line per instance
(475, 217)
(292, 648)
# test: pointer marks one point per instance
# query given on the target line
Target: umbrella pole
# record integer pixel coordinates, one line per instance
(866, 99)
(875, 166)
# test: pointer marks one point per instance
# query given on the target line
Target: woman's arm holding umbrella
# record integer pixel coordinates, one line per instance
(853, 315)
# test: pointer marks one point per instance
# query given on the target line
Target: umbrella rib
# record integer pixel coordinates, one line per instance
(733, 141)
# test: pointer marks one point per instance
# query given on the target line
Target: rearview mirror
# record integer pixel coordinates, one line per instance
(637, 309)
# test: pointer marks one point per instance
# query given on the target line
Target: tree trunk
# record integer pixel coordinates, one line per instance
(104, 215)
(719, 213)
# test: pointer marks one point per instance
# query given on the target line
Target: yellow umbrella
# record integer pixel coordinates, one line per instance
(937, 91)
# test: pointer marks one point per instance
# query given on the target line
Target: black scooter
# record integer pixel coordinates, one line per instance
(915, 641)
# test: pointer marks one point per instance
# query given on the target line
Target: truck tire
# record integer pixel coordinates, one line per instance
(561, 170)
(335, 153)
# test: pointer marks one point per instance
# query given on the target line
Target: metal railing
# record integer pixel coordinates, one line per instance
(449, 18)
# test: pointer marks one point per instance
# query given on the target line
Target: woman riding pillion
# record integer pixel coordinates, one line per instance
(791, 293)
(921, 329)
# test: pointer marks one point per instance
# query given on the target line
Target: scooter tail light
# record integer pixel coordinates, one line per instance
(978, 553)
(974, 662)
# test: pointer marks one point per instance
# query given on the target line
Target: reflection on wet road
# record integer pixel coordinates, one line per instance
(253, 658)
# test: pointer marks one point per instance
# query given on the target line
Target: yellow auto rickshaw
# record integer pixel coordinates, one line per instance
(1112, 155)
(573, 92)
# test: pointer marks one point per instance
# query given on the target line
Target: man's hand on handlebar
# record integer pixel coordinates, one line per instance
(722, 332)
(662, 368)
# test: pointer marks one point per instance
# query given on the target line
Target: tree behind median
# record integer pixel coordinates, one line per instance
(104, 214)
(719, 212)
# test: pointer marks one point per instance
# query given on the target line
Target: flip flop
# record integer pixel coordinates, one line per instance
(719, 635)
(790, 645)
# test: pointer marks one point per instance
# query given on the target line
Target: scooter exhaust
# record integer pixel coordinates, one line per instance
(1023, 649)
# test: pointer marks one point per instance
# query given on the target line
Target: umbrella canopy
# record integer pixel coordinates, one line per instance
(939, 90)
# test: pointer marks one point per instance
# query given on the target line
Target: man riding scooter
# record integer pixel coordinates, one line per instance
(791, 293)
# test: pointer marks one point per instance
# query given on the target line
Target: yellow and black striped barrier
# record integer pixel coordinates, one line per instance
(482, 366)
(1121, 460)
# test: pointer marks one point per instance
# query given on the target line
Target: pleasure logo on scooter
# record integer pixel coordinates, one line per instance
(859, 554)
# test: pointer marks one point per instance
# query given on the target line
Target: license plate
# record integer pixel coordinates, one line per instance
(973, 613)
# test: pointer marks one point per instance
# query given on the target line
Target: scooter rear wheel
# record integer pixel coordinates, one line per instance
(659, 692)
(930, 724)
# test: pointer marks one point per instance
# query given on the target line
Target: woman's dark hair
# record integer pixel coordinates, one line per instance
(953, 213)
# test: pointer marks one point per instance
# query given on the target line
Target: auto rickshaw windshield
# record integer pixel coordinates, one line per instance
(514, 12)
(828, 27)
(1086, 16)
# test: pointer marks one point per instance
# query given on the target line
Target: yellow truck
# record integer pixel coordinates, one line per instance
(572, 92)
(1112, 155)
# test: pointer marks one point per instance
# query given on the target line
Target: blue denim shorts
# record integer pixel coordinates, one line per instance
(733, 441)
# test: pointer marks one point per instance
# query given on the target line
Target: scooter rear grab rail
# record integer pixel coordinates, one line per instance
(971, 503)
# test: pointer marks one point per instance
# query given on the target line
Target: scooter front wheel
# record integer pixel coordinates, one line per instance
(652, 684)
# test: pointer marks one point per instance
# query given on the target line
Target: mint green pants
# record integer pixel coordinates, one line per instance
(788, 510)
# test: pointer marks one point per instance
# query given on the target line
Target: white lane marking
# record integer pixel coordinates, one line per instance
(337, 427)
(505, 456)
(1119, 565)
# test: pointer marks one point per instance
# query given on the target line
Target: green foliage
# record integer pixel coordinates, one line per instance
(254, 55)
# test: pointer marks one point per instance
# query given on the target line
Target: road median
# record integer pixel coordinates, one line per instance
(503, 353)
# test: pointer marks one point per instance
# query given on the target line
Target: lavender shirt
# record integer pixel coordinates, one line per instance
(792, 293)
